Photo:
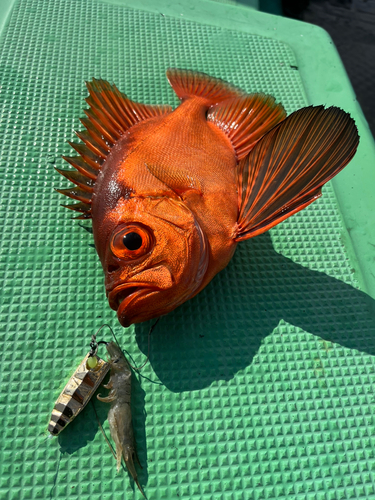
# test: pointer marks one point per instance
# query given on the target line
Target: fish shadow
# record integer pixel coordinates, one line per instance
(139, 416)
(84, 427)
(218, 332)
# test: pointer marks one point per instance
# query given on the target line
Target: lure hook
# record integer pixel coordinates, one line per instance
(94, 344)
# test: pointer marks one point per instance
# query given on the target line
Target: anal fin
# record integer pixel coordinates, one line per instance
(287, 168)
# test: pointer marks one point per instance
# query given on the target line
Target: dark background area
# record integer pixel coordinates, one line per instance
(351, 25)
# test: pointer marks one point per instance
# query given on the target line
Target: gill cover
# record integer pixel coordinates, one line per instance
(168, 261)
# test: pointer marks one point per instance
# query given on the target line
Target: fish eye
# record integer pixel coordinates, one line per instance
(131, 241)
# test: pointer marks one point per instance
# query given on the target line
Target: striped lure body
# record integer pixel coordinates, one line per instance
(77, 393)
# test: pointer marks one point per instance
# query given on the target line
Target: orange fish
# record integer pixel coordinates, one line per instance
(172, 192)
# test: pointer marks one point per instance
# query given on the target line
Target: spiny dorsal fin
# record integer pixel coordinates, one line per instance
(287, 168)
(77, 194)
(81, 180)
(187, 83)
(110, 115)
(246, 119)
(79, 164)
(83, 208)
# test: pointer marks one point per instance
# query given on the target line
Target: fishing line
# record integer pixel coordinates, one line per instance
(94, 345)
(148, 356)
(103, 432)
(149, 344)
(105, 436)
(127, 352)
(101, 328)
(56, 475)
(114, 336)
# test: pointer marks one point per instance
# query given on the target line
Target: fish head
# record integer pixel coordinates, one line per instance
(154, 255)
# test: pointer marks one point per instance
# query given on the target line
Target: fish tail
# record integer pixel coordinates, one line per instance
(129, 462)
(118, 458)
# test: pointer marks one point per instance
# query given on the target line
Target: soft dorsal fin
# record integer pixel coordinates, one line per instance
(187, 83)
(110, 115)
(288, 167)
(246, 119)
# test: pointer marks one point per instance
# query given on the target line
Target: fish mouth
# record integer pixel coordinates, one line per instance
(121, 298)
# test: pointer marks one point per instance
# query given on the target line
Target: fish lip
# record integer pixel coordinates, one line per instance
(122, 295)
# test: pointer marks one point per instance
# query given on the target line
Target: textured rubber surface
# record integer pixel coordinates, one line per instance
(262, 386)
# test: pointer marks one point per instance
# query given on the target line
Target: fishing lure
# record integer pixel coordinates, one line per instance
(79, 390)
(119, 415)
(172, 192)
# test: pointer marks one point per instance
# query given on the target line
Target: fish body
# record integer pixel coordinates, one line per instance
(192, 219)
(119, 415)
(206, 163)
(172, 192)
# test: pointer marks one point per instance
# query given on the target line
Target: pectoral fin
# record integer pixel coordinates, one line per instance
(288, 167)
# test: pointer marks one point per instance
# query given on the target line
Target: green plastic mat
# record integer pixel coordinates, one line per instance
(262, 386)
